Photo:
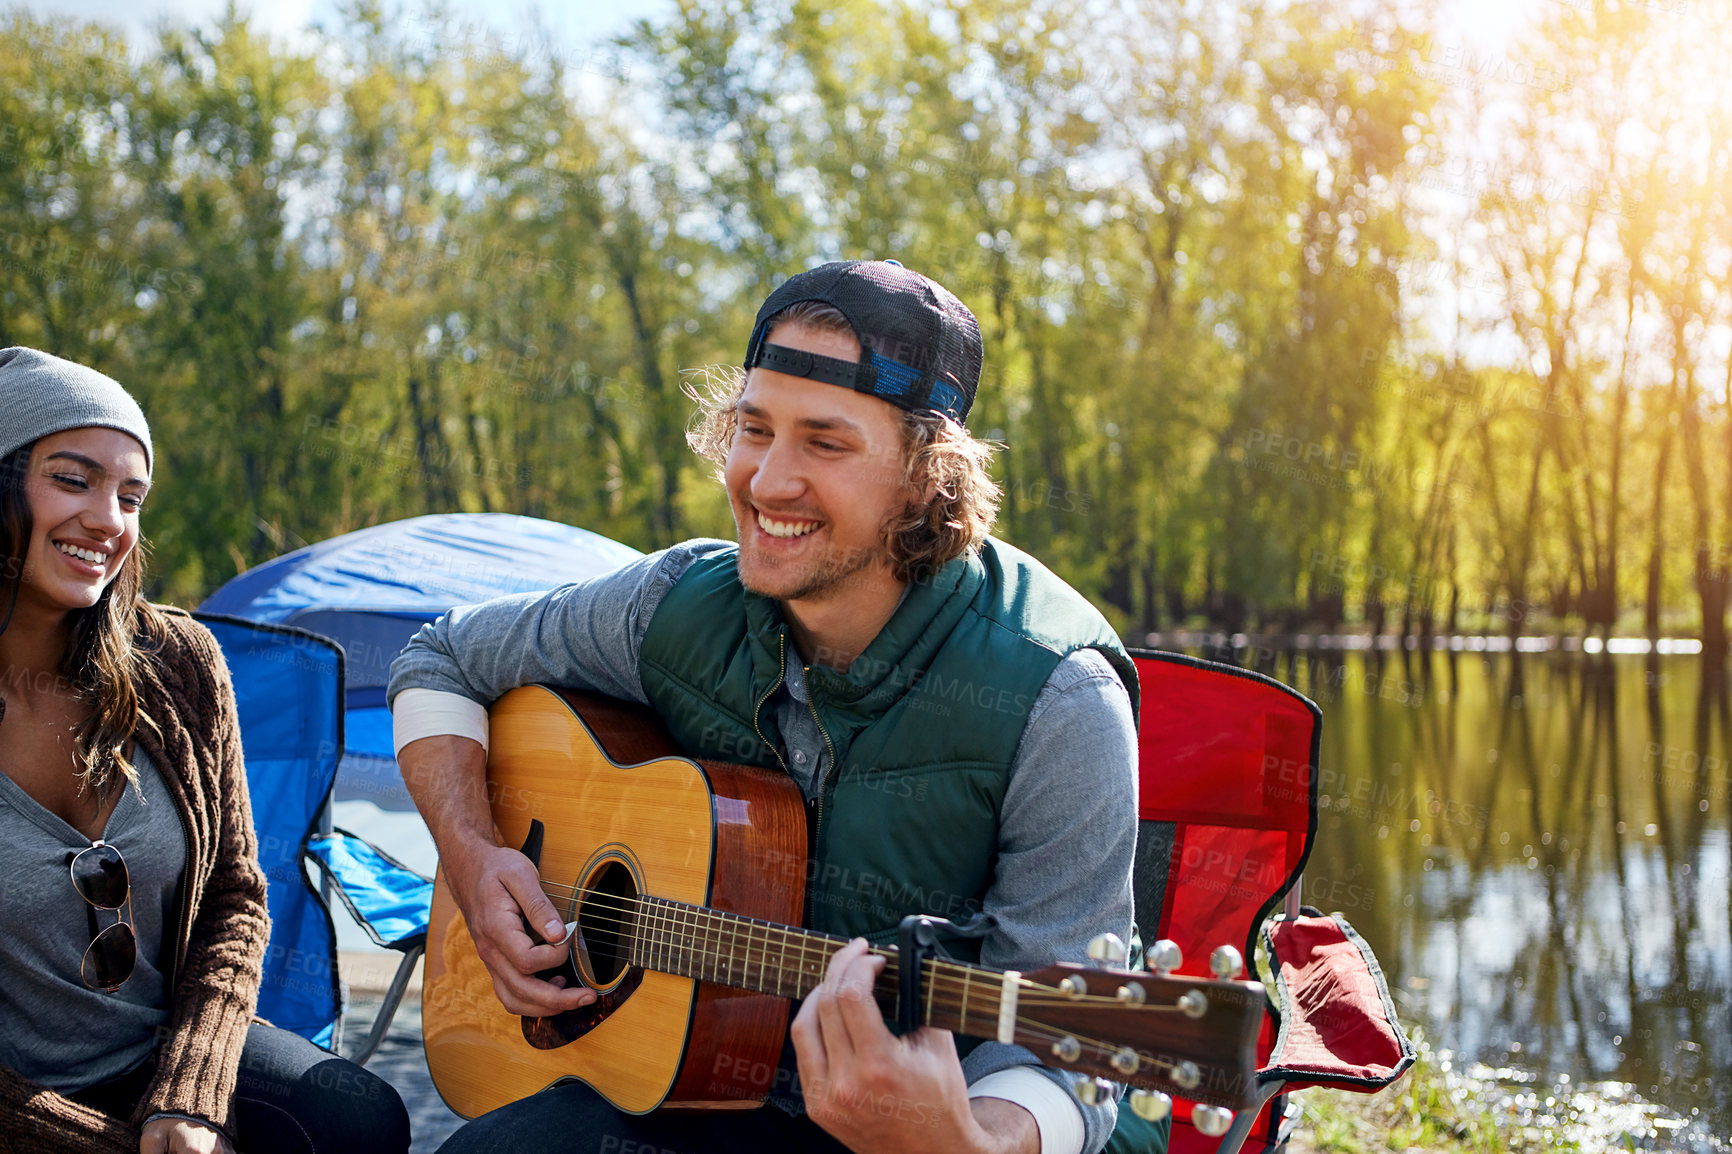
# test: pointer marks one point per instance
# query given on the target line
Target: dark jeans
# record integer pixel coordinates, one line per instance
(573, 1119)
(291, 1098)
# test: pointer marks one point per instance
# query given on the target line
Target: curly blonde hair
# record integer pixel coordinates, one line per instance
(939, 457)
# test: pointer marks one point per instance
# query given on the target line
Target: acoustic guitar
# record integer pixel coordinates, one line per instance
(685, 879)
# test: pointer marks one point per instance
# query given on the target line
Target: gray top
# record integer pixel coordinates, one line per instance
(53, 1028)
(1067, 829)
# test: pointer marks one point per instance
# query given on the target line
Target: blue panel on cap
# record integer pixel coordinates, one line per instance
(947, 399)
(895, 379)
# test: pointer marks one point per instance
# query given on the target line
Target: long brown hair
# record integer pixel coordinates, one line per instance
(109, 640)
(938, 456)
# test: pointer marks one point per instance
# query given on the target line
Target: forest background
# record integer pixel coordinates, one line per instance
(1297, 317)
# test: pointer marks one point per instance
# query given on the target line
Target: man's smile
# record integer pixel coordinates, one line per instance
(785, 526)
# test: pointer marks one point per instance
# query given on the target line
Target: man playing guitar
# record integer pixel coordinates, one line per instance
(960, 722)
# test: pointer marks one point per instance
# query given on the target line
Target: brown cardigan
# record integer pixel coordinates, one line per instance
(220, 946)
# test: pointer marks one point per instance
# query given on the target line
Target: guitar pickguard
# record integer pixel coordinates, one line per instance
(564, 1029)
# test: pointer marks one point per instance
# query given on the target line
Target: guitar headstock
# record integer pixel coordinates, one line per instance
(1158, 1032)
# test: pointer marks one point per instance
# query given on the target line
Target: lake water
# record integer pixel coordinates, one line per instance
(1537, 849)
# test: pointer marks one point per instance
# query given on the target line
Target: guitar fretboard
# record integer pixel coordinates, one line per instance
(748, 954)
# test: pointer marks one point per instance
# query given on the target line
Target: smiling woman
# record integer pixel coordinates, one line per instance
(133, 895)
(69, 501)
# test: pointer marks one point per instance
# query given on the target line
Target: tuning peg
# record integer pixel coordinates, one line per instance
(1226, 962)
(1165, 957)
(1186, 1076)
(1127, 1061)
(1193, 1003)
(1073, 988)
(1212, 1121)
(1150, 1105)
(1107, 950)
(1067, 1048)
(1132, 994)
(1089, 1091)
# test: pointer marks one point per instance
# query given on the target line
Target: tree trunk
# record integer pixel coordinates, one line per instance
(1722, 559)
(1606, 570)
(432, 458)
(1117, 590)
(1711, 580)
(668, 436)
(1151, 618)
(1657, 547)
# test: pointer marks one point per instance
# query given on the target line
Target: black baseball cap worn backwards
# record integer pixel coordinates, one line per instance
(919, 345)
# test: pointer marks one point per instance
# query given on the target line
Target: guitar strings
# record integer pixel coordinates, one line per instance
(688, 920)
(685, 921)
(949, 991)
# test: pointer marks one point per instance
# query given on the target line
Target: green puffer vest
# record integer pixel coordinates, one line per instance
(922, 728)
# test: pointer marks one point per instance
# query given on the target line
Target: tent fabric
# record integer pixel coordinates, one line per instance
(1338, 1023)
(387, 899)
(370, 590)
(368, 732)
(418, 564)
(288, 685)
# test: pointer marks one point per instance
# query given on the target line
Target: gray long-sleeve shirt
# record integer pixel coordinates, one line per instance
(1067, 827)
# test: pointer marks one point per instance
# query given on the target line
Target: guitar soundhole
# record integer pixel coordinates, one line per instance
(606, 921)
(601, 955)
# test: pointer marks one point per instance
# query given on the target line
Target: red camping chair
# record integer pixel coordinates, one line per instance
(1228, 808)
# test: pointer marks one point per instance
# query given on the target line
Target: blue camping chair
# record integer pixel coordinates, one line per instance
(309, 638)
(291, 733)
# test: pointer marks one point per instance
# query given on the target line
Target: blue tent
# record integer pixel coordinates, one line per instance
(309, 638)
(370, 590)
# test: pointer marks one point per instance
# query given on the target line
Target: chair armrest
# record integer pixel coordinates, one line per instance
(1337, 1022)
(386, 898)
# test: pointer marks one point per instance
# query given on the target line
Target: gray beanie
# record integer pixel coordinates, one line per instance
(42, 394)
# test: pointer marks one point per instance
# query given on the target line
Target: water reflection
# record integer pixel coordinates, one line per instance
(1537, 848)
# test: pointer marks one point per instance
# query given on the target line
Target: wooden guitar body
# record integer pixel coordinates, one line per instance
(621, 809)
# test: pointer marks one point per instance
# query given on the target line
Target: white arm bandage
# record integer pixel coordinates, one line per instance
(418, 713)
(1055, 1112)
